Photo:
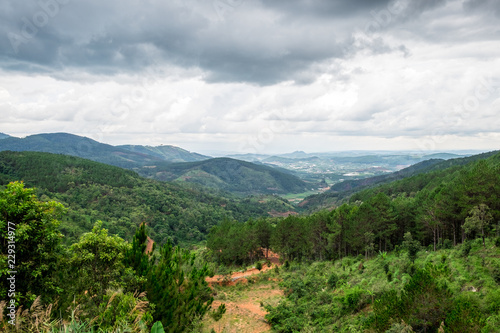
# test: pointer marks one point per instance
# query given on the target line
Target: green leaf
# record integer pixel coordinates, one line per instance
(157, 328)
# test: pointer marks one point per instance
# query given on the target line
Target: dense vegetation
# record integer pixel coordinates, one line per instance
(446, 206)
(416, 255)
(449, 290)
(123, 200)
(229, 175)
(420, 293)
(100, 283)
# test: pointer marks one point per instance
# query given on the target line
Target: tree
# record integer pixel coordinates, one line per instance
(136, 257)
(97, 261)
(411, 245)
(478, 220)
(178, 289)
(29, 229)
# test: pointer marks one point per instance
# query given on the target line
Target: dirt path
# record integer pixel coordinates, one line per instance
(237, 277)
(243, 311)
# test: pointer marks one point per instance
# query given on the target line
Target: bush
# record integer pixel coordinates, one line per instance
(333, 280)
(465, 248)
(351, 300)
(464, 316)
(447, 244)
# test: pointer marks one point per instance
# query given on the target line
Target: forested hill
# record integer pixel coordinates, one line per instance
(122, 199)
(229, 175)
(4, 136)
(74, 145)
(343, 190)
(166, 153)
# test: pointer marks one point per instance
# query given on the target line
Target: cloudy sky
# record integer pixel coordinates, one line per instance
(254, 75)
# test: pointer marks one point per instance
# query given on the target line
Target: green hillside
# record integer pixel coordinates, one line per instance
(167, 153)
(228, 175)
(122, 199)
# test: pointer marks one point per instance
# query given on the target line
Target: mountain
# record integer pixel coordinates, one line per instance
(74, 145)
(4, 136)
(122, 199)
(166, 153)
(230, 175)
(123, 156)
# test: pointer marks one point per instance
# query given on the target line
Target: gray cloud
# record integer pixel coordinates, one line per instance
(258, 42)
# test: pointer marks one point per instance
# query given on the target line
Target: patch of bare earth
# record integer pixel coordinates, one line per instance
(243, 310)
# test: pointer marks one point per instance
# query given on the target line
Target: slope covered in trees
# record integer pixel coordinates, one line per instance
(441, 207)
(229, 175)
(167, 153)
(416, 255)
(122, 199)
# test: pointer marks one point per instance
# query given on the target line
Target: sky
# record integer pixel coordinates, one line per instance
(254, 76)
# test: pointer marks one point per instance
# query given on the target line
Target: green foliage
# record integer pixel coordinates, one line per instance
(97, 261)
(217, 314)
(412, 246)
(230, 175)
(479, 219)
(157, 328)
(30, 244)
(333, 280)
(258, 265)
(464, 316)
(178, 289)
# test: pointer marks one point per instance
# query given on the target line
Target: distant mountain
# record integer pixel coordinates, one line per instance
(74, 145)
(123, 156)
(167, 153)
(4, 136)
(248, 157)
(296, 154)
(229, 175)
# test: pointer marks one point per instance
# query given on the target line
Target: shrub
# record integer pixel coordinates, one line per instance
(333, 280)
(351, 300)
(258, 265)
(465, 249)
(464, 316)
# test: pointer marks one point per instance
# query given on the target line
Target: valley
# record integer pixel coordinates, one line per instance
(351, 240)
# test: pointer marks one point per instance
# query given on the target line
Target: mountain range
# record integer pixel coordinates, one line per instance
(123, 156)
(166, 163)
